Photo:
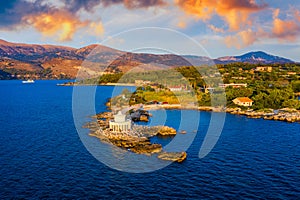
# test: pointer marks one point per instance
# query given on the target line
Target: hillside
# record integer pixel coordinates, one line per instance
(20, 61)
(254, 57)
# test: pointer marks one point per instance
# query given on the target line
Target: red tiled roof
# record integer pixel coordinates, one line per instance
(244, 99)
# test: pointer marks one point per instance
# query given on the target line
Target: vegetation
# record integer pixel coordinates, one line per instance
(269, 86)
(110, 78)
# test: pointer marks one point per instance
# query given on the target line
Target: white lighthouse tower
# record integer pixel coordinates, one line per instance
(120, 123)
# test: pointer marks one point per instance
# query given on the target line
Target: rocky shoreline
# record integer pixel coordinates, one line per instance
(137, 140)
(286, 115)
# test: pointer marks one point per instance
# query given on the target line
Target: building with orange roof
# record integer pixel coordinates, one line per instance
(242, 101)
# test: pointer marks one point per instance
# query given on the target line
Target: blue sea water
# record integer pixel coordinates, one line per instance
(42, 155)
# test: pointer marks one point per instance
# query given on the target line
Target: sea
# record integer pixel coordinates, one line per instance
(46, 154)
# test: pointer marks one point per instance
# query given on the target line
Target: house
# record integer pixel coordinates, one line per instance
(175, 89)
(209, 90)
(264, 69)
(142, 82)
(292, 73)
(234, 85)
(243, 101)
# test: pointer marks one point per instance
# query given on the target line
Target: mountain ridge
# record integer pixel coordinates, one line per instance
(256, 57)
(64, 61)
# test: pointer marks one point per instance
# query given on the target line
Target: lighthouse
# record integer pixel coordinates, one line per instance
(120, 123)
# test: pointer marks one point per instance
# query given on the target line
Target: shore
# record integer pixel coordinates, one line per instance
(102, 84)
(137, 139)
(287, 115)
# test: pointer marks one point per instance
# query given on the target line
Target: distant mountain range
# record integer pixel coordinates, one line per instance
(254, 57)
(51, 61)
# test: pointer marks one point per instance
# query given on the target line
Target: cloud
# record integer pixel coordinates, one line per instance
(133, 4)
(285, 30)
(235, 12)
(60, 24)
(12, 12)
(276, 13)
(97, 28)
(181, 24)
(297, 15)
(216, 29)
(60, 19)
(242, 39)
(88, 5)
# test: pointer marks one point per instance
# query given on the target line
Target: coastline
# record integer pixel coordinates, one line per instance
(137, 138)
(287, 115)
(102, 84)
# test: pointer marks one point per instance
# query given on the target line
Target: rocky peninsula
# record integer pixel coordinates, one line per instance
(136, 140)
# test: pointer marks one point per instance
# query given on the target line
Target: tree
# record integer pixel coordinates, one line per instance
(291, 103)
(296, 86)
(232, 93)
(260, 101)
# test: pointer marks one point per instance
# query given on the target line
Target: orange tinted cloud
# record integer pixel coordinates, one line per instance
(201, 9)
(241, 39)
(60, 24)
(297, 15)
(61, 18)
(285, 29)
(96, 28)
(235, 12)
(181, 24)
(276, 13)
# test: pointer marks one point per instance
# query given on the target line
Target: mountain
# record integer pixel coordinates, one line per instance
(20, 61)
(33, 52)
(49, 61)
(254, 57)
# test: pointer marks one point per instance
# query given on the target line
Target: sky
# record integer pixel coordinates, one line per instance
(221, 27)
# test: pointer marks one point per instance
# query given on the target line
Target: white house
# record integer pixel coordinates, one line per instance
(175, 89)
